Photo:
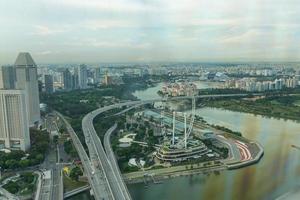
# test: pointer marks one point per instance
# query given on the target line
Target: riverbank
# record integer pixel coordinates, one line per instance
(282, 107)
(242, 153)
(157, 175)
(280, 161)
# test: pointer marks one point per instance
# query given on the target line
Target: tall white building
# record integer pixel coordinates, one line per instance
(26, 79)
(82, 76)
(14, 127)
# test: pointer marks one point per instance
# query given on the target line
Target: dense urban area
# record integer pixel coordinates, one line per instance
(76, 122)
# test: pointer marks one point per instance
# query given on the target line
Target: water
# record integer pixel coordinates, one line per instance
(276, 174)
(82, 196)
(151, 93)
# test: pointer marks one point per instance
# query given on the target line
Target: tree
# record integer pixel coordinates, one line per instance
(27, 177)
(24, 163)
(12, 164)
(75, 173)
(39, 157)
(12, 187)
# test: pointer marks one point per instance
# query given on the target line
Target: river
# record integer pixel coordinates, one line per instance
(276, 174)
(151, 92)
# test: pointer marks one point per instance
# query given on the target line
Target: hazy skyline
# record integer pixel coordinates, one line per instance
(63, 31)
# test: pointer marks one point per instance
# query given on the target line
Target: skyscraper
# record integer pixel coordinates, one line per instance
(67, 79)
(48, 83)
(82, 76)
(26, 79)
(97, 78)
(7, 77)
(14, 127)
(75, 81)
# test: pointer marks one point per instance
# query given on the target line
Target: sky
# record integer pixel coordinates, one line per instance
(91, 31)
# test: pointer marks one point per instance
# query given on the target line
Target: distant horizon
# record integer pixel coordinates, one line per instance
(151, 62)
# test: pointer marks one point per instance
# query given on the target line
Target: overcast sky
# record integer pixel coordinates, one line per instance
(60, 31)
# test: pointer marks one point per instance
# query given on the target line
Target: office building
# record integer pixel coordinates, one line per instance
(14, 127)
(82, 76)
(26, 79)
(107, 79)
(48, 84)
(67, 80)
(97, 77)
(7, 77)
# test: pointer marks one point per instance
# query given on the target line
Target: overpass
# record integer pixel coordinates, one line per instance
(100, 158)
(102, 173)
(111, 156)
(76, 191)
(96, 179)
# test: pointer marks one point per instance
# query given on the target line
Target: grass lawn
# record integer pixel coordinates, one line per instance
(69, 184)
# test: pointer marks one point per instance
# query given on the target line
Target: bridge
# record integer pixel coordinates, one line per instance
(76, 191)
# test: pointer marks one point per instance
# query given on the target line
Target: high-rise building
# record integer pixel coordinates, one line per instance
(67, 79)
(7, 77)
(97, 77)
(75, 81)
(48, 84)
(14, 127)
(82, 76)
(107, 79)
(26, 79)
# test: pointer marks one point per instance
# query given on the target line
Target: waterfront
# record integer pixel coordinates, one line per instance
(276, 174)
(151, 92)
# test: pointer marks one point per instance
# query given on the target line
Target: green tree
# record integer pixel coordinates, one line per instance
(24, 163)
(75, 173)
(12, 164)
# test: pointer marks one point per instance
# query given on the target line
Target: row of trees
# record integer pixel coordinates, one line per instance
(25, 182)
(18, 159)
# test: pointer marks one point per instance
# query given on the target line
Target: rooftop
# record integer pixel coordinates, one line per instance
(24, 59)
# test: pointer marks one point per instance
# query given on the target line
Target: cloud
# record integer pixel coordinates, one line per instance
(43, 53)
(45, 30)
(97, 43)
(107, 24)
(247, 36)
(160, 28)
(107, 5)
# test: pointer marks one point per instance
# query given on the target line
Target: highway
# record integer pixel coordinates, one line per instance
(111, 157)
(98, 184)
(103, 173)
(52, 186)
(99, 157)
(57, 183)
(46, 186)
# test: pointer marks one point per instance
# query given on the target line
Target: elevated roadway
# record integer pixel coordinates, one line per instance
(98, 183)
(111, 157)
(102, 172)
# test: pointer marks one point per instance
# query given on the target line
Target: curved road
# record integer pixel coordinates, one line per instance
(98, 185)
(111, 156)
(104, 177)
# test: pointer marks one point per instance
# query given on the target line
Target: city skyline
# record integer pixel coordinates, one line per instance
(150, 31)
